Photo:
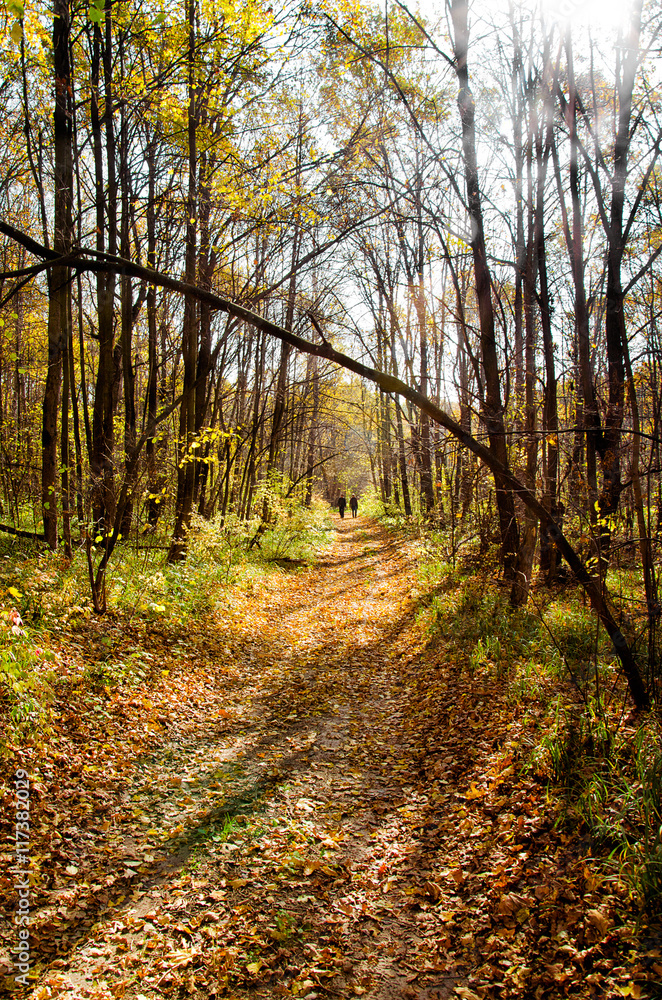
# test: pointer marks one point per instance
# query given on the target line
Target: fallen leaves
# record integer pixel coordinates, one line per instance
(474, 792)
(305, 799)
(601, 922)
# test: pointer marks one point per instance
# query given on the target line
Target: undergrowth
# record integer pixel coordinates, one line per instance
(40, 593)
(604, 768)
(612, 781)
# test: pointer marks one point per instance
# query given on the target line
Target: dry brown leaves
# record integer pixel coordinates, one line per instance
(305, 799)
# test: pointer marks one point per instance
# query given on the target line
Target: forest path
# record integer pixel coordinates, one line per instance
(271, 846)
(311, 795)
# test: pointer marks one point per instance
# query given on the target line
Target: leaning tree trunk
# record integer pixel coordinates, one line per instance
(390, 384)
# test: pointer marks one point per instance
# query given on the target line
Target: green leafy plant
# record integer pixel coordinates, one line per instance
(26, 681)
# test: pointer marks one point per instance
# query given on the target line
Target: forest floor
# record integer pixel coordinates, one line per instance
(307, 797)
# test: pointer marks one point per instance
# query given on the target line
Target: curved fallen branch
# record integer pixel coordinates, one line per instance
(89, 260)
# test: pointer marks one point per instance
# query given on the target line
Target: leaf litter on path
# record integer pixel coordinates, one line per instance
(308, 801)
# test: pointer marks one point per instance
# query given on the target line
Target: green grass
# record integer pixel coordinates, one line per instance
(53, 592)
(50, 594)
(607, 775)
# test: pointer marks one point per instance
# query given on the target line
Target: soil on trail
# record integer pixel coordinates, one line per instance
(298, 836)
(318, 819)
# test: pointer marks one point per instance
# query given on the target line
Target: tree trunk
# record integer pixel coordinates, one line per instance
(59, 306)
(493, 407)
(185, 464)
(549, 554)
(527, 541)
(616, 336)
(103, 432)
(127, 319)
(427, 483)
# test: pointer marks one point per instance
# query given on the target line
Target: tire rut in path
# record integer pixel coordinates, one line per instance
(286, 871)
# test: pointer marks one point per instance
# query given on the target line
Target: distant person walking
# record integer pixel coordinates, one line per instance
(342, 503)
(354, 504)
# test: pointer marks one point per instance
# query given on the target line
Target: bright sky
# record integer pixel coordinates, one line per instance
(601, 17)
(598, 15)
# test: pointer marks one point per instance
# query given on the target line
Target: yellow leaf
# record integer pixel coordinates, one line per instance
(15, 593)
(474, 792)
(631, 990)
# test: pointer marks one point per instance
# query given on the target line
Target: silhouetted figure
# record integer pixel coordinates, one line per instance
(354, 504)
(342, 503)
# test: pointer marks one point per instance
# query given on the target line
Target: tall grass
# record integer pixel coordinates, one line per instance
(608, 773)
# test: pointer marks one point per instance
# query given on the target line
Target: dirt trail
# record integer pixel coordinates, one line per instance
(311, 798)
(271, 842)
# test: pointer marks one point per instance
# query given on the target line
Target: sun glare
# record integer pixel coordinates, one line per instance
(598, 16)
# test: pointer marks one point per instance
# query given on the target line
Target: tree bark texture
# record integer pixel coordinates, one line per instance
(59, 308)
(493, 406)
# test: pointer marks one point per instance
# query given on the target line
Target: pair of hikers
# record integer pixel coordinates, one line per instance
(353, 506)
